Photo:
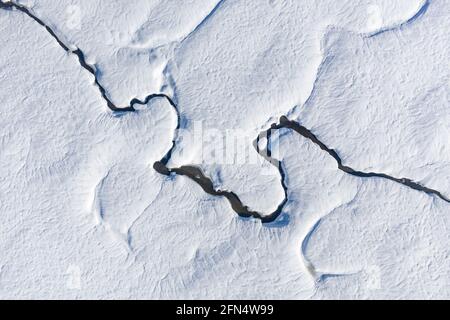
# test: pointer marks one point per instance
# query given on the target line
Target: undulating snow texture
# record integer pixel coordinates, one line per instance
(85, 215)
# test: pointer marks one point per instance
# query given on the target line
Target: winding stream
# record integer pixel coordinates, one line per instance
(195, 173)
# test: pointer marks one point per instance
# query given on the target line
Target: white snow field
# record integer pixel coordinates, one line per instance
(102, 203)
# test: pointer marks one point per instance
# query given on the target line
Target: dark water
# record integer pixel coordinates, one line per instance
(195, 173)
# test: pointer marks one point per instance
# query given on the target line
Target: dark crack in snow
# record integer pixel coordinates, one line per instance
(195, 173)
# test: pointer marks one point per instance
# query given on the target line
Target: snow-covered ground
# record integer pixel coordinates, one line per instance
(84, 213)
